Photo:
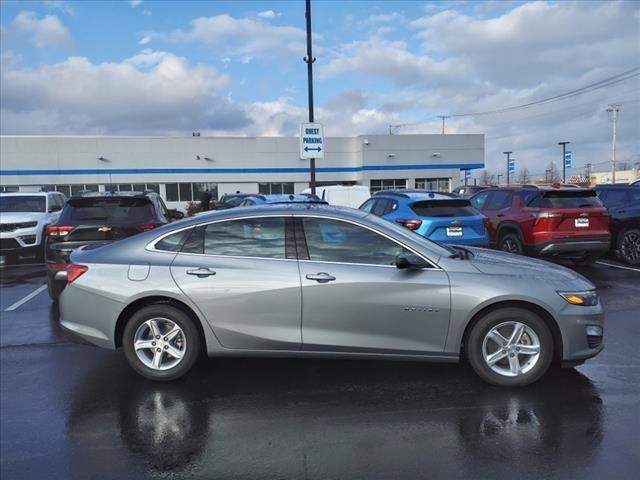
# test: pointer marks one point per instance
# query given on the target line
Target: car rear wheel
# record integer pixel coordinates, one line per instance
(54, 289)
(510, 347)
(629, 246)
(510, 242)
(161, 342)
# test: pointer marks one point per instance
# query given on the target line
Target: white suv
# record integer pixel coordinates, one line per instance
(23, 220)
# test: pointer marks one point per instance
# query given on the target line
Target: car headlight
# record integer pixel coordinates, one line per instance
(27, 224)
(587, 298)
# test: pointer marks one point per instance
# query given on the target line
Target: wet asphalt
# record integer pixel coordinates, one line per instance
(73, 411)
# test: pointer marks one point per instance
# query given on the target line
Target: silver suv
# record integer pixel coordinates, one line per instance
(314, 280)
(23, 220)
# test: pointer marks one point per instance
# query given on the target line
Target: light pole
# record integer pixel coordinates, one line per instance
(564, 162)
(508, 154)
(309, 61)
(499, 177)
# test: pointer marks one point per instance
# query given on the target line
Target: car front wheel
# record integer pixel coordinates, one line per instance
(161, 342)
(510, 347)
(629, 246)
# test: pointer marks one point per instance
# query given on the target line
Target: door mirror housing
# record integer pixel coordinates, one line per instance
(410, 261)
(175, 214)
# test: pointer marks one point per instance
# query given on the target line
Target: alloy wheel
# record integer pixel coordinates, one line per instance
(630, 247)
(510, 245)
(160, 343)
(511, 349)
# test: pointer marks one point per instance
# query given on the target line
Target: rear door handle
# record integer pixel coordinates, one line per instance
(201, 272)
(321, 277)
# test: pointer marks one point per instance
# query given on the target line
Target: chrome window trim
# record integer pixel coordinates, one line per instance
(151, 245)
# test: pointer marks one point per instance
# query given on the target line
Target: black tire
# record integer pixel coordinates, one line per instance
(54, 289)
(510, 242)
(189, 330)
(475, 340)
(586, 260)
(629, 246)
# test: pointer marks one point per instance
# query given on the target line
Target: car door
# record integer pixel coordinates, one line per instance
(243, 276)
(355, 299)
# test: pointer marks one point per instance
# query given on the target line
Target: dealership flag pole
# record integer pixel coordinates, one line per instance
(309, 59)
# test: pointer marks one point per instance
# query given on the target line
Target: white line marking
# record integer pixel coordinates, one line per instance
(619, 266)
(19, 303)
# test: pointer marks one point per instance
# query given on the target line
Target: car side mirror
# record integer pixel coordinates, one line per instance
(410, 260)
(175, 214)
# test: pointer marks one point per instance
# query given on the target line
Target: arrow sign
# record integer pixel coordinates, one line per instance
(311, 140)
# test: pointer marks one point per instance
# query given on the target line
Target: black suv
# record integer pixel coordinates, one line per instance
(98, 218)
(623, 204)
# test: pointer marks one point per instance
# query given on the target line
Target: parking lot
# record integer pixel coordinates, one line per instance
(70, 410)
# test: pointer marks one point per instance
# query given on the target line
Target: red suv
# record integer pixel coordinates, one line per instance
(546, 221)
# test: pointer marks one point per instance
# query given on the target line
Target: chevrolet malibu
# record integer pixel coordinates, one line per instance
(320, 281)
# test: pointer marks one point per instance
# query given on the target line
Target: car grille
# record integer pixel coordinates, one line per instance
(8, 243)
(8, 227)
(593, 341)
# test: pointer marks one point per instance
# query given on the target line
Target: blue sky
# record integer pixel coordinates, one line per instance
(235, 68)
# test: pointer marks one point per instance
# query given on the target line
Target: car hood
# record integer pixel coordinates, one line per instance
(502, 263)
(19, 217)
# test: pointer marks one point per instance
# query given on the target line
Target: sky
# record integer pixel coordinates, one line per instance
(236, 69)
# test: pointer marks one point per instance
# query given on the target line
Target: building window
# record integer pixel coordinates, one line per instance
(388, 184)
(434, 184)
(189, 192)
(9, 188)
(275, 188)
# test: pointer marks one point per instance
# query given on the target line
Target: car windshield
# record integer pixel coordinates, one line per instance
(23, 203)
(111, 210)
(443, 208)
(570, 199)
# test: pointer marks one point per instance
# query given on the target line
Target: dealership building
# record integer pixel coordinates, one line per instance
(179, 168)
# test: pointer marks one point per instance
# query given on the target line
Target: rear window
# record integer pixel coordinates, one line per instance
(23, 203)
(570, 199)
(111, 210)
(444, 208)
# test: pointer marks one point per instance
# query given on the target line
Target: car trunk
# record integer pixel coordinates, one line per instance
(572, 213)
(449, 219)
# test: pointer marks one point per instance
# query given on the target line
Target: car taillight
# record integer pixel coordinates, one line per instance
(58, 231)
(74, 271)
(546, 216)
(149, 226)
(411, 224)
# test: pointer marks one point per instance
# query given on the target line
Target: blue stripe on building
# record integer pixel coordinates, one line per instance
(142, 171)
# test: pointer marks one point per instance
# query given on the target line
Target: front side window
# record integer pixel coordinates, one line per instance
(366, 206)
(499, 199)
(336, 241)
(249, 237)
(480, 200)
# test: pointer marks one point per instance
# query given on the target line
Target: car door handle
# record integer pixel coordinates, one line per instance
(321, 277)
(500, 215)
(201, 272)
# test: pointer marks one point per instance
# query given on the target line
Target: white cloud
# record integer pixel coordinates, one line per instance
(240, 35)
(144, 40)
(146, 12)
(152, 92)
(246, 59)
(269, 14)
(41, 32)
(135, 3)
(64, 7)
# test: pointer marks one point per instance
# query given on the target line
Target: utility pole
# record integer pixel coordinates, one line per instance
(443, 117)
(564, 151)
(499, 177)
(508, 154)
(309, 59)
(547, 174)
(614, 109)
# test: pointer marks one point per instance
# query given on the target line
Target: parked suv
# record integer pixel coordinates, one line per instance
(23, 219)
(440, 217)
(546, 221)
(623, 204)
(99, 218)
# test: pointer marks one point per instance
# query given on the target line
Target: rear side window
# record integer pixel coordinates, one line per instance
(570, 199)
(174, 242)
(380, 207)
(528, 198)
(444, 208)
(613, 198)
(112, 210)
(249, 237)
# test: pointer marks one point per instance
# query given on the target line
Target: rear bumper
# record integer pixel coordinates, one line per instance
(571, 247)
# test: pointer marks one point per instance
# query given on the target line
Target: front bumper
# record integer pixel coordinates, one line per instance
(20, 240)
(568, 247)
(577, 344)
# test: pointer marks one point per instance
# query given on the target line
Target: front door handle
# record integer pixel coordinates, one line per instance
(321, 277)
(201, 272)
(500, 215)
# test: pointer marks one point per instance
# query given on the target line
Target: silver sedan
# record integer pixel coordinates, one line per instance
(314, 280)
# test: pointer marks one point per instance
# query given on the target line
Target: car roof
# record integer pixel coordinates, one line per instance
(28, 194)
(287, 198)
(112, 194)
(417, 194)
